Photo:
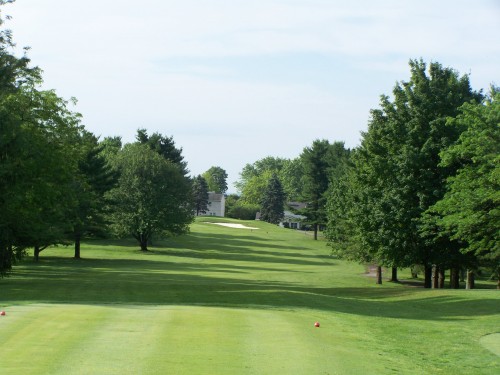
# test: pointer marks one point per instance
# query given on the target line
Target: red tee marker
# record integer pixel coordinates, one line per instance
(316, 324)
(2, 313)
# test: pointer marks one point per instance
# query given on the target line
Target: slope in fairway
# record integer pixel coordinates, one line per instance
(226, 300)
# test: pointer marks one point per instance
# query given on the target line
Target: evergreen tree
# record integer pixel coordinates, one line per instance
(273, 201)
(200, 195)
(165, 146)
(94, 179)
(320, 163)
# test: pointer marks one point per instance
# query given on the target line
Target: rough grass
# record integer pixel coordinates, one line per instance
(234, 301)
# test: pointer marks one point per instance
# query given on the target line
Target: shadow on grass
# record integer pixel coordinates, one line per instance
(153, 282)
(231, 248)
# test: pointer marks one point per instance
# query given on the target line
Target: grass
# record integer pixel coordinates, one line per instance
(235, 301)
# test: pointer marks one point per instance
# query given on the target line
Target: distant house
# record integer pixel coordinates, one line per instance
(216, 204)
(291, 220)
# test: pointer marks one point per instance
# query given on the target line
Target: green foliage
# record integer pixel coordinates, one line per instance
(291, 179)
(110, 147)
(237, 208)
(319, 162)
(38, 159)
(94, 178)
(396, 173)
(253, 188)
(152, 197)
(200, 195)
(272, 201)
(343, 201)
(216, 178)
(254, 178)
(470, 209)
(165, 146)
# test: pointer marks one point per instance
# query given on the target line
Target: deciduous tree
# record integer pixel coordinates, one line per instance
(216, 178)
(397, 177)
(470, 209)
(152, 197)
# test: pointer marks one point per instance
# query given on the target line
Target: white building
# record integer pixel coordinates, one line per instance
(216, 204)
(291, 220)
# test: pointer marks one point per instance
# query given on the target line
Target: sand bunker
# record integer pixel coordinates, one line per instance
(237, 226)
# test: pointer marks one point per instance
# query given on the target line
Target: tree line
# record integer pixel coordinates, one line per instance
(421, 190)
(60, 183)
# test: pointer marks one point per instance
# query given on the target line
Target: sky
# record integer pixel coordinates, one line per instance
(234, 81)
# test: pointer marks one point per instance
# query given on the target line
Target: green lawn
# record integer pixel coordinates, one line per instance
(235, 301)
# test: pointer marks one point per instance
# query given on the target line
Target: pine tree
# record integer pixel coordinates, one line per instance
(200, 195)
(273, 201)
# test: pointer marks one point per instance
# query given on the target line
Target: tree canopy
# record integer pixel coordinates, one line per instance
(38, 158)
(470, 209)
(152, 196)
(165, 146)
(397, 176)
(216, 179)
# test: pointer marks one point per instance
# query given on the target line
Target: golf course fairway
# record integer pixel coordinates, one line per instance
(233, 300)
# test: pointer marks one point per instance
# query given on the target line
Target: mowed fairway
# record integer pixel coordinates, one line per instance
(227, 300)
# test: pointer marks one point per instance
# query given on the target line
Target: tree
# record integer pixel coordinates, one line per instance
(341, 230)
(253, 188)
(200, 195)
(94, 179)
(470, 209)
(260, 171)
(152, 197)
(39, 151)
(12, 70)
(165, 146)
(273, 201)
(291, 179)
(216, 178)
(318, 162)
(397, 177)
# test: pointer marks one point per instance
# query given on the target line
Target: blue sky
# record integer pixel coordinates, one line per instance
(236, 81)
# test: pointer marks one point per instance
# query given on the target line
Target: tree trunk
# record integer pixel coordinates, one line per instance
(394, 275)
(315, 231)
(143, 242)
(470, 280)
(462, 275)
(36, 253)
(454, 278)
(441, 277)
(414, 272)
(435, 277)
(498, 283)
(428, 276)
(379, 275)
(77, 246)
